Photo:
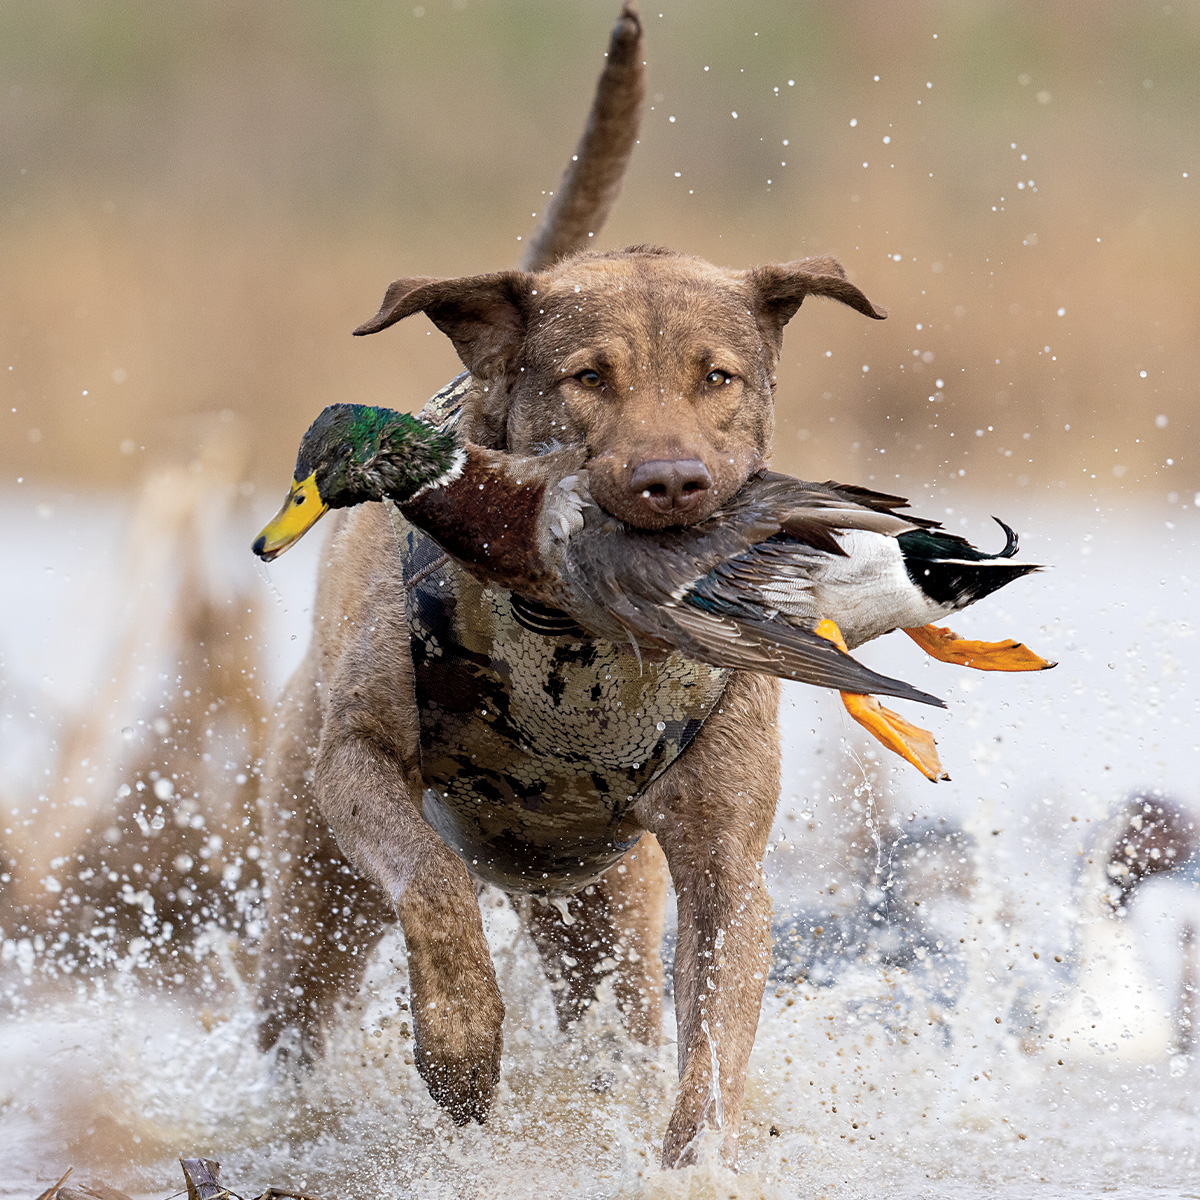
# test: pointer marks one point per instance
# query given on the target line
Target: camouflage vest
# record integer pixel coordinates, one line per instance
(535, 737)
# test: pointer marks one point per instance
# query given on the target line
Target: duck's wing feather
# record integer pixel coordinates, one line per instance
(735, 637)
(769, 648)
(778, 648)
(811, 513)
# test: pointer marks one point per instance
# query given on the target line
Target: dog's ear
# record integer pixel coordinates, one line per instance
(483, 315)
(779, 290)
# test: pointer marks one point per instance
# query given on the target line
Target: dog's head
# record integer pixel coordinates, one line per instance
(661, 364)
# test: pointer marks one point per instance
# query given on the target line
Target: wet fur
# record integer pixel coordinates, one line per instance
(342, 782)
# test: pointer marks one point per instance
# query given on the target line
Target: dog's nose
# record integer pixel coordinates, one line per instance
(670, 484)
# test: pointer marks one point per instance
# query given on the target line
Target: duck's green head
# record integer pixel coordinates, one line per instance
(353, 453)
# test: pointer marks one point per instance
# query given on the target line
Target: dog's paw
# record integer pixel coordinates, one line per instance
(700, 1116)
(457, 1050)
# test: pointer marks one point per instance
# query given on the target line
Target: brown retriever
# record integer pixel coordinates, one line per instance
(437, 734)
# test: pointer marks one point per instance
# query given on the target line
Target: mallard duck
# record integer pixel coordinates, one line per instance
(784, 579)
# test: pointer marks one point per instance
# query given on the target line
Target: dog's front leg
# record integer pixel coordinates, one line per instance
(370, 801)
(369, 790)
(712, 813)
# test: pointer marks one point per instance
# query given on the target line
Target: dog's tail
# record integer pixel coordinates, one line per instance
(593, 177)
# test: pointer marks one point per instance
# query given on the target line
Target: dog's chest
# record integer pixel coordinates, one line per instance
(534, 745)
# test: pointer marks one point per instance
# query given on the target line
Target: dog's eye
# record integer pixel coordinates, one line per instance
(717, 378)
(590, 379)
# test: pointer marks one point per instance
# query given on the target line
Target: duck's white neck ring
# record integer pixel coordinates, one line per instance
(453, 471)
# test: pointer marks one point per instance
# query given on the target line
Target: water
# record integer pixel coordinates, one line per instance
(943, 1049)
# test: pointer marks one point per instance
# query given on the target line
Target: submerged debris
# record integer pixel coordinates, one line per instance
(92, 1191)
(199, 1176)
(51, 1192)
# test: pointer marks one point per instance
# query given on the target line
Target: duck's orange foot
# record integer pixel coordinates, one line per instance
(912, 743)
(946, 646)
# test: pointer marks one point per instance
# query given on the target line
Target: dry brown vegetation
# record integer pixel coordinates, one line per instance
(201, 201)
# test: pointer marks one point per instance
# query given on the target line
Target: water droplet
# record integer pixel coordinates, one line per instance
(127, 733)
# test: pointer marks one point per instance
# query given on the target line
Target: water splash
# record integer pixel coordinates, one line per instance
(916, 1055)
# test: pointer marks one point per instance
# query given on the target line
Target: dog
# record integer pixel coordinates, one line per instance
(437, 733)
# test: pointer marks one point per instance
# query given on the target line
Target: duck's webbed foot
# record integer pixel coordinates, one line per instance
(947, 646)
(913, 744)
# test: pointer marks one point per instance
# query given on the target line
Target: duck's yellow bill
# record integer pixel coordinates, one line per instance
(302, 509)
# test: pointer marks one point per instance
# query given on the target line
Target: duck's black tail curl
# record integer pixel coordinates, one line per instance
(1011, 540)
(950, 571)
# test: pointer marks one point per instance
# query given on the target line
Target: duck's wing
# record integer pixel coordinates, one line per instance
(661, 595)
(765, 550)
(811, 513)
(777, 647)
(769, 647)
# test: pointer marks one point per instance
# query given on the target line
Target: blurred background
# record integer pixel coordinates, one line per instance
(198, 202)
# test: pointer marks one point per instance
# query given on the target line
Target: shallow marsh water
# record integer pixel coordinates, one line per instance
(973, 1063)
